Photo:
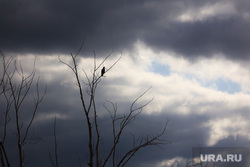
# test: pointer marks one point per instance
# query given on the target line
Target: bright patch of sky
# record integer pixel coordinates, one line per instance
(160, 68)
(225, 85)
(208, 73)
(220, 84)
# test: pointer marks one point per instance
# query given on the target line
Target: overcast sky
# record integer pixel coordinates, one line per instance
(194, 54)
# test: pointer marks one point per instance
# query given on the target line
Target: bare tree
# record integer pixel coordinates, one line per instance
(15, 87)
(87, 91)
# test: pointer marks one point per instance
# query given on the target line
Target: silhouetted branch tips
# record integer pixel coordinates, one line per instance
(101, 64)
(119, 122)
(144, 141)
(80, 48)
(15, 85)
(107, 69)
(138, 143)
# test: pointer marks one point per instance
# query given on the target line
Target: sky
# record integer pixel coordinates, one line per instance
(194, 55)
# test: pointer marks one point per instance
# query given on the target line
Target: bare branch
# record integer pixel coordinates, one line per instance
(59, 58)
(119, 123)
(113, 64)
(3, 155)
(80, 48)
(124, 122)
(55, 141)
(15, 87)
(85, 108)
(144, 142)
(104, 60)
(37, 101)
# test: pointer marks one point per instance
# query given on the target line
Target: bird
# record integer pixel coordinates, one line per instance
(103, 71)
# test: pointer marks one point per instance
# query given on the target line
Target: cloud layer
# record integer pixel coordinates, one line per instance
(190, 29)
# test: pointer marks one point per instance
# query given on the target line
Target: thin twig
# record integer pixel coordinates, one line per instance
(55, 141)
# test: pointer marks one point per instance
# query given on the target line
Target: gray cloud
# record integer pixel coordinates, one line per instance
(227, 36)
(59, 26)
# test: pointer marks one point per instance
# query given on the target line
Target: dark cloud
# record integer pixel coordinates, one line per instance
(44, 26)
(214, 36)
(59, 26)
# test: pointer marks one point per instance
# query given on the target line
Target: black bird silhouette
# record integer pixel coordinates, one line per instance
(103, 71)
